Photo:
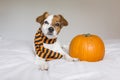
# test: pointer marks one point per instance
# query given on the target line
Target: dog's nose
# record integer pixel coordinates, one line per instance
(51, 29)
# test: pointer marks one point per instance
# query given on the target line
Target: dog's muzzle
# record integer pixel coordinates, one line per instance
(50, 30)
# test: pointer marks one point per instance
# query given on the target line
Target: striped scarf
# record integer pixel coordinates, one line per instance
(43, 52)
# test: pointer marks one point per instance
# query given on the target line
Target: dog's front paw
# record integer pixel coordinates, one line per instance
(75, 59)
(70, 59)
(42, 65)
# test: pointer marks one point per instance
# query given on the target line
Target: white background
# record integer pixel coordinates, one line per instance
(101, 17)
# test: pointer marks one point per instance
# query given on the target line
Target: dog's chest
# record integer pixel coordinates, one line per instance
(55, 47)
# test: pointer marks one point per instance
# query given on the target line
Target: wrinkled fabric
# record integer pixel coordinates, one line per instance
(17, 62)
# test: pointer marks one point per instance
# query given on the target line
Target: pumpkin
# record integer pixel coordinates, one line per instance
(87, 47)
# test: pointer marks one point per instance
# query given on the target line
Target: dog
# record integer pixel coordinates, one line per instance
(46, 44)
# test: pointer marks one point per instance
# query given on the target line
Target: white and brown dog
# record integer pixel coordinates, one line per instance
(46, 44)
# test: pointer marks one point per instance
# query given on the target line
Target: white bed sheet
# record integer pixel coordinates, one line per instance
(17, 63)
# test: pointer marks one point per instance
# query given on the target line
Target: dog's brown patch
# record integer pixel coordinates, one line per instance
(40, 19)
(58, 22)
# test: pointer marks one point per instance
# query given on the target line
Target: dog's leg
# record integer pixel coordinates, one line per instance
(41, 63)
(69, 58)
(65, 48)
(66, 56)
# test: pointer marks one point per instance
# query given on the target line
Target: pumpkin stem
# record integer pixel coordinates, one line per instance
(87, 35)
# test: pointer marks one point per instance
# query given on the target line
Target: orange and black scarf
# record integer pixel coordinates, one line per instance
(43, 52)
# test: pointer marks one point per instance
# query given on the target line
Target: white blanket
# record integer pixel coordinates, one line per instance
(17, 63)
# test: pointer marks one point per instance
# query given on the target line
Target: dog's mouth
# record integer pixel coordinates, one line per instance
(49, 33)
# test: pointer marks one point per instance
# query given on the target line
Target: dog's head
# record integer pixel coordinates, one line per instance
(51, 24)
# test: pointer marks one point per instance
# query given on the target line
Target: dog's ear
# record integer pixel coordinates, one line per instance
(41, 18)
(63, 21)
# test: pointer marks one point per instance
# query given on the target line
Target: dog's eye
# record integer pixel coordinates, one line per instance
(46, 22)
(57, 24)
